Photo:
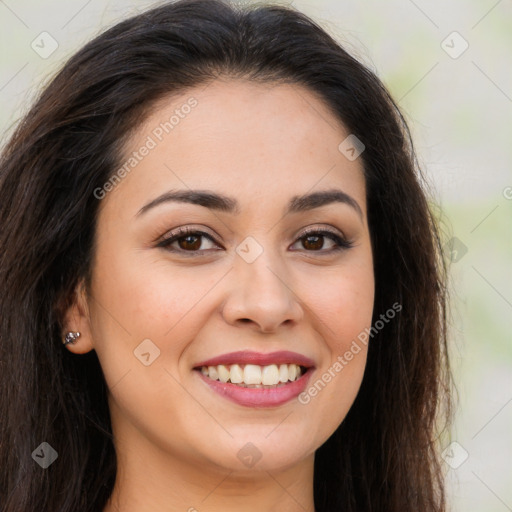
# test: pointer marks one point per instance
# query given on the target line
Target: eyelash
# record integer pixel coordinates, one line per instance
(342, 244)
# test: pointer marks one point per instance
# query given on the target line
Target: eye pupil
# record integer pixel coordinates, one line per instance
(315, 245)
(186, 239)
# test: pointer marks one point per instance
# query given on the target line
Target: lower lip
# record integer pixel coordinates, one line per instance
(259, 397)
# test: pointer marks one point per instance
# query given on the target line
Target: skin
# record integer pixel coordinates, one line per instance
(177, 440)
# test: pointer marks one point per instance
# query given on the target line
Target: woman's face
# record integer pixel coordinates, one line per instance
(252, 281)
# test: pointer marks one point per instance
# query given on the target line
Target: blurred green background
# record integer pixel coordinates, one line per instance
(448, 66)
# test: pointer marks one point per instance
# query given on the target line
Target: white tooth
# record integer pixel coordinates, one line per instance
(204, 370)
(252, 374)
(283, 373)
(236, 374)
(212, 372)
(292, 371)
(270, 375)
(223, 372)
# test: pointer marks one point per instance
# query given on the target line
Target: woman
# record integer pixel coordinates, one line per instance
(222, 284)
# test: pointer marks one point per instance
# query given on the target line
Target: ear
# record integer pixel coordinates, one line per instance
(76, 319)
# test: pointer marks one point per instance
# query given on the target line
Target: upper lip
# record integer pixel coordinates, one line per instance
(259, 358)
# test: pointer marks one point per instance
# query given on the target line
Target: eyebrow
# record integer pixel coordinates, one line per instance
(222, 203)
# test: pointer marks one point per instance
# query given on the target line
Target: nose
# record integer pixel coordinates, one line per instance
(261, 295)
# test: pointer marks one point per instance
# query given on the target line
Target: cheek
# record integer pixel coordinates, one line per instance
(149, 296)
(344, 313)
(342, 300)
(144, 316)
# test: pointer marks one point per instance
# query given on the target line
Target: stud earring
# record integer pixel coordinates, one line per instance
(71, 337)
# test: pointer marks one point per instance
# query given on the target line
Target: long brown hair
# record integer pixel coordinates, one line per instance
(385, 454)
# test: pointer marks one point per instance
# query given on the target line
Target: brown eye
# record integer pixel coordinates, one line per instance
(313, 241)
(190, 242)
(187, 240)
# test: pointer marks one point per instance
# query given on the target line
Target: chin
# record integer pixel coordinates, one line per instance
(249, 454)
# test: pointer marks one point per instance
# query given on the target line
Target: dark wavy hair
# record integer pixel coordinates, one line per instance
(385, 454)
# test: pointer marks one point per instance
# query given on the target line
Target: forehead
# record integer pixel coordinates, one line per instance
(256, 140)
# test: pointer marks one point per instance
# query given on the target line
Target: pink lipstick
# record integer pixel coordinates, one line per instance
(254, 379)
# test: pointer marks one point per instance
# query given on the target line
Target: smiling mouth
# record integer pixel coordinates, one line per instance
(254, 376)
